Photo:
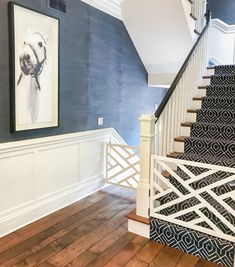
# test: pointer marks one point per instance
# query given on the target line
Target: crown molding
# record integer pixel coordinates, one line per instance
(111, 7)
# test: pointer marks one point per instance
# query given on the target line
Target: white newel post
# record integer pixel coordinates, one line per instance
(147, 147)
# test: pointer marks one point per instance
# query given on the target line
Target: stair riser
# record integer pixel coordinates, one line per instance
(223, 80)
(206, 148)
(197, 104)
(202, 92)
(210, 72)
(179, 146)
(215, 117)
(185, 131)
(191, 117)
(223, 104)
(206, 81)
(213, 132)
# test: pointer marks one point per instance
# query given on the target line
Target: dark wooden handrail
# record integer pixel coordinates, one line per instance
(182, 70)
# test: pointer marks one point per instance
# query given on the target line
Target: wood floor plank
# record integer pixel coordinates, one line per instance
(149, 251)
(125, 255)
(111, 251)
(106, 242)
(84, 259)
(56, 218)
(136, 263)
(168, 257)
(45, 264)
(85, 242)
(87, 224)
(29, 243)
(188, 260)
(204, 263)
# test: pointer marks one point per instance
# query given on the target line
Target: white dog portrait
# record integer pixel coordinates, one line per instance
(36, 69)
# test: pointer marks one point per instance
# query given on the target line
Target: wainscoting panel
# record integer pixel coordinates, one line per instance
(57, 168)
(16, 183)
(40, 176)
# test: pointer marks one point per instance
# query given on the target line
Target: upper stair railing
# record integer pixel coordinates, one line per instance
(173, 109)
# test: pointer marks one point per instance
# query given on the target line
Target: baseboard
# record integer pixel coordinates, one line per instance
(38, 210)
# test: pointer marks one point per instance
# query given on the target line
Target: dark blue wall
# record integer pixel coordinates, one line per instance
(101, 74)
(223, 9)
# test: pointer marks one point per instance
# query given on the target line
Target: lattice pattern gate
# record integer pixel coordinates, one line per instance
(122, 165)
(194, 195)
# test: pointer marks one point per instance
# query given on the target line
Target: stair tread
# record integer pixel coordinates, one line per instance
(197, 32)
(207, 76)
(186, 124)
(202, 87)
(192, 110)
(198, 98)
(180, 138)
(211, 68)
(174, 155)
(192, 16)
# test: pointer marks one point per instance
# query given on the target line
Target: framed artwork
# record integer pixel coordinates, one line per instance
(34, 69)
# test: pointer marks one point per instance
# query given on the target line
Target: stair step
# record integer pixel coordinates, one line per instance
(219, 103)
(186, 124)
(218, 91)
(192, 110)
(210, 147)
(133, 216)
(190, 1)
(207, 76)
(213, 131)
(192, 16)
(174, 155)
(198, 98)
(225, 69)
(180, 138)
(211, 68)
(197, 32)
(216, 116)
(223, 80)
(202, 87)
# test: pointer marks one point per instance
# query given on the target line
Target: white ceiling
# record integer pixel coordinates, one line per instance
(111, 7)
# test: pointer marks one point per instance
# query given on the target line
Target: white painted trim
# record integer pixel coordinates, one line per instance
(222, 26)
(111, 7)
(139, 228)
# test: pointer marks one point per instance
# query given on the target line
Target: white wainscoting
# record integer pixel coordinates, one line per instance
(222, 44)
(40, 176)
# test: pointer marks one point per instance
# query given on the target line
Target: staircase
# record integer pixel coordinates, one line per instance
(211, 141)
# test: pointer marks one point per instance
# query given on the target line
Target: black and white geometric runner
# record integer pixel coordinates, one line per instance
(212, 141)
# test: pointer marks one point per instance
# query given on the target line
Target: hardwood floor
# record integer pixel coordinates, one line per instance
(91, 232)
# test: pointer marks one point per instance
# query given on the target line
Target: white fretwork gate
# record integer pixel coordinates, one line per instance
(122, 165)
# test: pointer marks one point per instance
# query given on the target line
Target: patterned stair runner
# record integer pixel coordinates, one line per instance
(212, 141)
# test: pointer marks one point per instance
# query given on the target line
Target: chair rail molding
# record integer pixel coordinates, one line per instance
(40, 176)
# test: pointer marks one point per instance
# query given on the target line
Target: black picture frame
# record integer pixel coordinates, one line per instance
(43, 93)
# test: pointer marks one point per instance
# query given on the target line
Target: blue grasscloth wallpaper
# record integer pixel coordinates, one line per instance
(101, 74)
(223, 9)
